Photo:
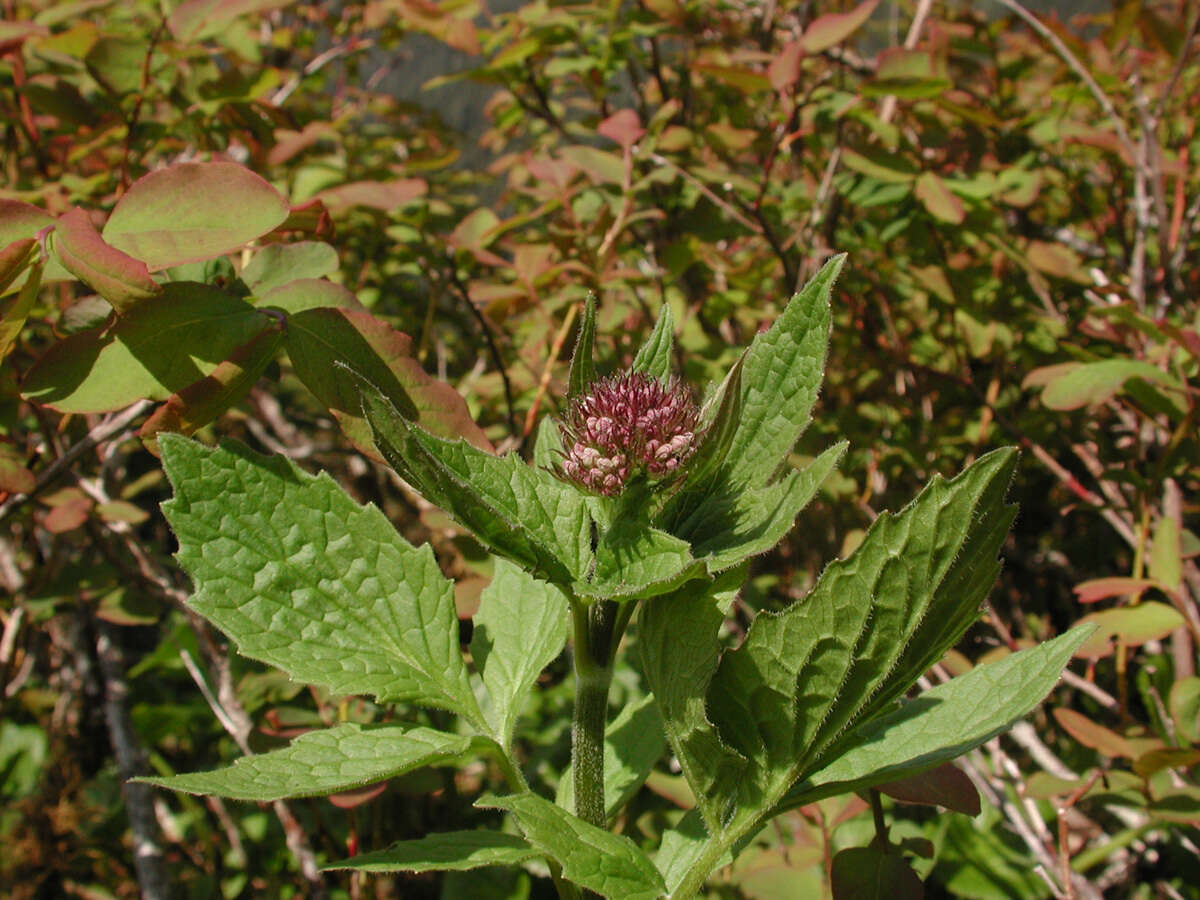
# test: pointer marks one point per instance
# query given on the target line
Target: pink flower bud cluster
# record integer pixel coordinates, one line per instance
(626, 424)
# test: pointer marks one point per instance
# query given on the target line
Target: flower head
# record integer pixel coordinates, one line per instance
(625, 425)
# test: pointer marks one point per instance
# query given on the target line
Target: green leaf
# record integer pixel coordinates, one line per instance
(635, 561)
(20, 221)
(941, 202)
(654, 356)
(1086, 384)
(583, 369)
(278, 264)
(719, 428)
(871, 625)
(15, 259)
(869, 873)
(633, 742)
(680, 850)
(780, 379)
(944, 722)
(318, 340)
(193, 211)
(547, 444)
(324, 762)
(520, 628)
(727, 530)
(518, 511)
(832, 28)
(199, 403)
(154, 350)
(303, 294)
(609, 864)
(117, 277)
(1166, 557)
(1184, 703)
(678, 640)
(302, 577)
(443, 851)
(1129, 625)
(194, 20)
(14, 311)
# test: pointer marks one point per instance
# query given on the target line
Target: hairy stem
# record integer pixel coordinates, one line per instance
(595, 639)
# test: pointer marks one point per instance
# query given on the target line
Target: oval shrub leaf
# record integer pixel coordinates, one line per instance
(193, 211)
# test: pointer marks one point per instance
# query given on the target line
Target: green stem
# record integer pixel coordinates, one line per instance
(595, 643)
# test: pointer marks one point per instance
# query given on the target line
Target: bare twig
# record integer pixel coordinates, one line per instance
(107, 429)
(315, 65)
(148, 857)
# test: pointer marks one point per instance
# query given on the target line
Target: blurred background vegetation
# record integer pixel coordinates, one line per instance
(1020, 198)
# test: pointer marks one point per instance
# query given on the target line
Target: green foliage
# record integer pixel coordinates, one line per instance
(219, 220)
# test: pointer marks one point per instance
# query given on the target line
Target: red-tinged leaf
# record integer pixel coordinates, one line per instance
(784, 70)
(195, 20)
(1154, 761)
(14, 477)
(14, 34)
(193, 211)
(117, 277)
(1104, 588)
(476, 231)
(151, 352)
(382, 195)
(317, 339)
(1044, 375)
(833, 28)
(946, 786)
(310, 218)
(1093, 735)
(1057, 260)
(69, 509)
(201, 402)
(623, 127)
(122, 511)
(941, 202)
(358, 796)
(14, 259)
(1128, 625)
(23, 220)
(867, 873)
(288, 143)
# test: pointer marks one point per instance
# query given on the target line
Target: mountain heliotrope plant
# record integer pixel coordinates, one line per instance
(637, 501)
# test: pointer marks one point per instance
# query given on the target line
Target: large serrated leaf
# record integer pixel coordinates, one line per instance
(521, 626)
(635, 561)
(727, 530)
(324, 762)
(780, 380)
(520, 512)
(944, 722)
(654, 356)
(867, 630)
(444, 851)
(609, 864)
(678, 640)
(583, 368)
(303, 578)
